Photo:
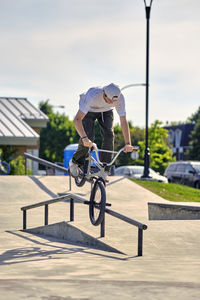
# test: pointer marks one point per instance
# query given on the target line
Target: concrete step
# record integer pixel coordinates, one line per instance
(162, 211)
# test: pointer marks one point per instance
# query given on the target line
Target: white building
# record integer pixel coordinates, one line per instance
(20, 124)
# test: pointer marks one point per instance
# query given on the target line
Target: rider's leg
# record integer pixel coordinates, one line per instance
(82, 152)
(107, 132)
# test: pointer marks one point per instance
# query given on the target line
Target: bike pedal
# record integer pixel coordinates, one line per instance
(108, 204)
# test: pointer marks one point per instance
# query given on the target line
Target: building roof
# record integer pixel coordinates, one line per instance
(185, 129)
(17, 117)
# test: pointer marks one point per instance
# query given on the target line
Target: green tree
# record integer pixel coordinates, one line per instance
(7, 152)
(59, 133)
(137, 134)
(160, 152)
(194, 152)
(194, 117)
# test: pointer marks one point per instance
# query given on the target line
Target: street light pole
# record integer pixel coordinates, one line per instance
(132, 85)
(146, 154)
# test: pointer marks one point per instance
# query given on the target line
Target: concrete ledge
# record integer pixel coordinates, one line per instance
(71, 234)
(161, 211)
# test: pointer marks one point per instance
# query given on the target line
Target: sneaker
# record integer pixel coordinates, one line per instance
(73, 169)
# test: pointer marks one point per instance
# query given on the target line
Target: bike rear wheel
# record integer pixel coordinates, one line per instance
(80, 180)
(97, 203)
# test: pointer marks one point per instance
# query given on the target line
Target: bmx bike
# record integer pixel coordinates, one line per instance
(4, 167)
(93, 171)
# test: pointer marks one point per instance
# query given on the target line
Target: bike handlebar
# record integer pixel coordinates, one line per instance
(94, 147)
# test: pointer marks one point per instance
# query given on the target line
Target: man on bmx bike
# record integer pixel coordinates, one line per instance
(97, 104)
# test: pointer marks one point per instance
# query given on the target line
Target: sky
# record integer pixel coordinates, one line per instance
(58, 49)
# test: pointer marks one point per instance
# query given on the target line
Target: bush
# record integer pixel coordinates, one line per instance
(18, 167)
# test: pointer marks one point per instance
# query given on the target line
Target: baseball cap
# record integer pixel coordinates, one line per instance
(112, 90)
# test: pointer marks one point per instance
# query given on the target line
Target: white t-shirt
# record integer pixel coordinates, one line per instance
(93, 101)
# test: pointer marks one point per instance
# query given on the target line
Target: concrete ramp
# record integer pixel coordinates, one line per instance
(161, 211)
(72, 235)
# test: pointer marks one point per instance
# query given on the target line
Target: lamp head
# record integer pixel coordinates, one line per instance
(148, 3)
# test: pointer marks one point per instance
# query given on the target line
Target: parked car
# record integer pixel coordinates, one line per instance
(184, 172)
(137, 172)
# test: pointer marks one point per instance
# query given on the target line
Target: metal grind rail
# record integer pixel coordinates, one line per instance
(47, 164)
(73, 198)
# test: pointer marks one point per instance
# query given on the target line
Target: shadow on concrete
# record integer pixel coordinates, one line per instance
(71, 234)
(88, 193)
(28, 254)
(43, 187)
(117, 180)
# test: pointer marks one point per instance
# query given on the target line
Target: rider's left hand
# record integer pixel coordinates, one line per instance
(87, 142)
(128, 148)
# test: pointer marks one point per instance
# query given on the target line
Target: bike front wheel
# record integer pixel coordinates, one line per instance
(97, 203)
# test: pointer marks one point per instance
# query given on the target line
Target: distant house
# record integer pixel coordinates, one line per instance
(20, 124)
(179, 139)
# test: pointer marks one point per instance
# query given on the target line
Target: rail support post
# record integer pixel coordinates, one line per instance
(71, 209)
(102, 233)
(46, 214)
(70, 182)
(24, 219)
(140, 241)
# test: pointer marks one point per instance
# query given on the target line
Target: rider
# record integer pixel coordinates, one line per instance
(97, 104)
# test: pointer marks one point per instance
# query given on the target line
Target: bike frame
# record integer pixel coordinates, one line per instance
(98, 179)
(101, 166)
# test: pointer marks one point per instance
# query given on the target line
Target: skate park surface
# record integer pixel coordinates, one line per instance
(42, 267)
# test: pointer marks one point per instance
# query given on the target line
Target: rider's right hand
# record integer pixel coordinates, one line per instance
(87, 142)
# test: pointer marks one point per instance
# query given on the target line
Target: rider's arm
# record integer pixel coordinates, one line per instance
(79, 127)
(126, 134)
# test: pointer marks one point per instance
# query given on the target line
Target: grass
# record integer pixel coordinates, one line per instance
(171, 191)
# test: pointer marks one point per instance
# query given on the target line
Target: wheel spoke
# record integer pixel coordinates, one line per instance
(97, 203)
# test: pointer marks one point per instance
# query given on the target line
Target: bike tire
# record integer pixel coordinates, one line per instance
(80, 180)
(5, 168)
(97, 203)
